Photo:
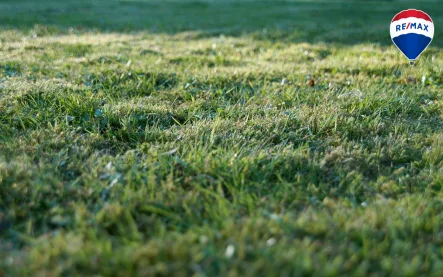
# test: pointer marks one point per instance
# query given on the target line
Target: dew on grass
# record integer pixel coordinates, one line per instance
(230, 250)
(270, 242)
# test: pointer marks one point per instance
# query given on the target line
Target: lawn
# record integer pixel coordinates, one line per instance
(207, 138)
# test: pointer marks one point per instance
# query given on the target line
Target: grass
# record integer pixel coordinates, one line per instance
(182, 138)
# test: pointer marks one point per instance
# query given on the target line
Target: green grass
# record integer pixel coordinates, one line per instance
(178, 138)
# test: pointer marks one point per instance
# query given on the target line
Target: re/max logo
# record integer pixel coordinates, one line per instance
(411, 26)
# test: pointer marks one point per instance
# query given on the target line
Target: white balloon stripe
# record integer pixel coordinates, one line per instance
(412, 25)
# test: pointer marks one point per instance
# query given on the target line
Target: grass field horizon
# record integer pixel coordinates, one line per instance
(208, 138)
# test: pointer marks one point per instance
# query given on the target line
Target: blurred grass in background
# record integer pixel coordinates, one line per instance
(344, 22)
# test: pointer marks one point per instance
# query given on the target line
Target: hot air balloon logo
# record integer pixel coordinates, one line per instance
(412, 32)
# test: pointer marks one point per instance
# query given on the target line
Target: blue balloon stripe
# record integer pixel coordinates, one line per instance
(412, 45)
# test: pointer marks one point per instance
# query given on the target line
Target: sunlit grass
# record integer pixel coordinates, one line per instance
(207, 151)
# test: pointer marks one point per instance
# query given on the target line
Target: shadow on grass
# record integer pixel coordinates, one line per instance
(344, 22)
